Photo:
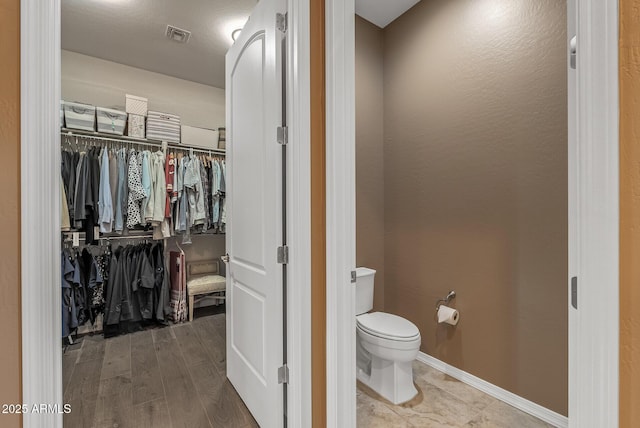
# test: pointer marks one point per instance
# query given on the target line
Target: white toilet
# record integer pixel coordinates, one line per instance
(386, 345)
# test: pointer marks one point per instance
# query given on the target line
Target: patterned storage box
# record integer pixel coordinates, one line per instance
(80, 116)
(111, 121)
(163, 127)
(136, 105)
(136, 126)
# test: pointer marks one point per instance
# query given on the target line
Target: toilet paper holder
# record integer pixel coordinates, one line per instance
(446, 300)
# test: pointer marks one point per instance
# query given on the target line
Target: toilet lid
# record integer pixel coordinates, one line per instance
(387, 326)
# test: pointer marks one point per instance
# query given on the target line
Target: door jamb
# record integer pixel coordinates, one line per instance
(593, 363)
(40, 53)
(340, 212)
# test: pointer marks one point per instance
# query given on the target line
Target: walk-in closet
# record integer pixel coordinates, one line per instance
(143, 173)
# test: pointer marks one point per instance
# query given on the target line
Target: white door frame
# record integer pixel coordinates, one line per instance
(40, 211)
(593, 199)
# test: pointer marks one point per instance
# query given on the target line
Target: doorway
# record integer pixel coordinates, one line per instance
(586, 404)
(267, 366)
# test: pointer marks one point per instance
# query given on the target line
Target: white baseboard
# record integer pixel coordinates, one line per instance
(510, 398)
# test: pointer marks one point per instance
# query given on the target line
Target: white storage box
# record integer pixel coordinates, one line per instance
(80, 116)
(222, 138)
(136, 105)
(163, 127)
(111, 121)
(61, 114)
(199, 137)
(136, 126)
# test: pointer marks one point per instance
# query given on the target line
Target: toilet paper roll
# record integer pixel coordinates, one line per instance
(448, 315)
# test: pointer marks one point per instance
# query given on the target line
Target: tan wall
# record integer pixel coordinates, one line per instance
(475, 196)
(10, 357)
(369, 64)
(629, 213)
(105, 83)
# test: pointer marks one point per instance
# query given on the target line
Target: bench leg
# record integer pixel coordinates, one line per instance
(191, 303)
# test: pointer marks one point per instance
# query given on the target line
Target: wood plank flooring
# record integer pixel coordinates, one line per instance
(170, 377)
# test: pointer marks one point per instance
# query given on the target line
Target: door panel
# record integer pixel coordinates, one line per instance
(254, 215)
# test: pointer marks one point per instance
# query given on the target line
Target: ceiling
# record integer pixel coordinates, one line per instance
(383, 12)
(132, 32)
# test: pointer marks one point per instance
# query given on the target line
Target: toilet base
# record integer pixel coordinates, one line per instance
(392, 380)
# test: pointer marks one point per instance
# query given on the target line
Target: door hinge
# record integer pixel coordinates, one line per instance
(283, 135)
(574, 292)
(283, 374)
(573, 52)
(353, 276)
(283, 255)
(281, 22)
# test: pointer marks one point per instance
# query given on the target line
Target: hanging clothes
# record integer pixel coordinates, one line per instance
(121, 191)
(138, 290)
(215, 192)
(223, 190)
(69, 314)
(182, 203)
(136, 192)
(105, 219)
(65, 222)
(178, 303)
(113, 182)
(204, 179)
(159, 187)
(146, 183)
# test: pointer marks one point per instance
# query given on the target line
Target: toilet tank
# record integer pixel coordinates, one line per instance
(364, 289)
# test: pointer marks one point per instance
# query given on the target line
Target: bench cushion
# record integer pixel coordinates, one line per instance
(203, 284)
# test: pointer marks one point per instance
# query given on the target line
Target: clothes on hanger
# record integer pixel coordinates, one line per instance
(84, 275)
(138, 292)
(178, 303)
(118, 188)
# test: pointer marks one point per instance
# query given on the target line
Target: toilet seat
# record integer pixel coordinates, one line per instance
(388, 327)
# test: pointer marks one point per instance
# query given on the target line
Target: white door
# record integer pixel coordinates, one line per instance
(255, 215)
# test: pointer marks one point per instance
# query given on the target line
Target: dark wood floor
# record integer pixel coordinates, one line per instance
(168, 377)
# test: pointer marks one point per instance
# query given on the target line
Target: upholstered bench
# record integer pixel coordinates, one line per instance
(204, 280)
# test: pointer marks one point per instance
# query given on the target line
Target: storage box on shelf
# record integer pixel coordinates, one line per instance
(61, 114)
(163, 127)
(136, 105)
(111, 121)
(222, 138)
(80, 116)
(199, 137)
(136, 126)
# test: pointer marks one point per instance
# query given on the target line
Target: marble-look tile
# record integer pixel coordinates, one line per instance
(502, 415)
(436, 408)
(375, 414)
(424, 374)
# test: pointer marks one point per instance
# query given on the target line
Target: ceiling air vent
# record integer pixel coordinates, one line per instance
(178, 34)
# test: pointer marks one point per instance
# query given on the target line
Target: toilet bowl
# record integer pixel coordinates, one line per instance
(386, 346)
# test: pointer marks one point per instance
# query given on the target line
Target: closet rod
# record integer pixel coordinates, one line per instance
(68, 236)
(138, 141)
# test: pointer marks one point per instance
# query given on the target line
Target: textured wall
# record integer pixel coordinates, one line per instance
(475, 171)
(10, 333)
(629, 213)
(369, 153)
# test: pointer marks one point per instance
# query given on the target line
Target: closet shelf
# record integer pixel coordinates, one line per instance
(67, 132)
(67, 234)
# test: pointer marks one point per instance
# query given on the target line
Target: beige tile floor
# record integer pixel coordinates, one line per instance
(442, 402)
